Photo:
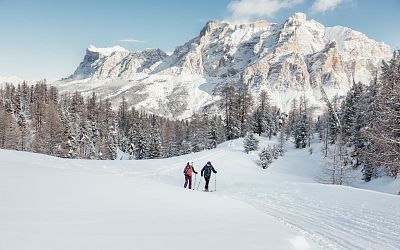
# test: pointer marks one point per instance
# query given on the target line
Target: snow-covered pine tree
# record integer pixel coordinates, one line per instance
(140, 140)
(154, 140)
(199, 132)
(301, 136)
(261, 113)
(185, 147)
(265, 157)
(363, 149)
(108, 145)
(333, 121)
(337, 168)
(275, 152)
(250, 143)
(230, 109)
(384, 131)
(293, 117)
(282, 142)
(23, 132)
(173, 148)
(50, 137)
(212, 135)
(244, 103)
(12, 132)
(72, 109)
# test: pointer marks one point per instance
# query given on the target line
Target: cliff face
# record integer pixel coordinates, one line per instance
(288, 60)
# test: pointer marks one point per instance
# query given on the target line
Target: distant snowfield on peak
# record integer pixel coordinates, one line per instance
(55, 203)
(291, 59)
(106, 51)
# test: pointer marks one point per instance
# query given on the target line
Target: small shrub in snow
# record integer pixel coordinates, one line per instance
(266, 157)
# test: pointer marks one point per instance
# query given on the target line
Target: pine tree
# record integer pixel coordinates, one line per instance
(244, 103)
(212, 137)
(12, 133)
(24, 133)
(250, 143)
(154, 140)
(140, 140)
(265, 157)
(50, 138)
(173, 148)
(301, 135)
(275, 152)
(384, 131)
(230, 110)
(282, 143)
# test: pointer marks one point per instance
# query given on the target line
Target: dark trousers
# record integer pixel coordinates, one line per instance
(207, 181)
(188, 179)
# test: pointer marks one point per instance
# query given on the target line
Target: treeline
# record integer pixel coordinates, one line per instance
(39, 119)
(363, 130)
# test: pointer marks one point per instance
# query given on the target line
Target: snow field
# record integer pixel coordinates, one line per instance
(79, 204)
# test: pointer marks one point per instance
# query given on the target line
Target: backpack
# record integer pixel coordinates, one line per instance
(207, 171)
(188, 170)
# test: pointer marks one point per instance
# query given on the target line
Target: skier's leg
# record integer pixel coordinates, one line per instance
(186, 181)
(207, 181)
(190, 182)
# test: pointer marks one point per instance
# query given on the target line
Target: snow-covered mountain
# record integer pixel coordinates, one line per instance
(288, 60)
(116, 62)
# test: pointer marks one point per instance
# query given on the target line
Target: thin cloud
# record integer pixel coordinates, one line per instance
(247, 10)
(321, 6)
(130, 40)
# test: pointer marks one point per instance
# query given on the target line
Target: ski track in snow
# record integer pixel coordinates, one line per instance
(338, 226)
(333, 228)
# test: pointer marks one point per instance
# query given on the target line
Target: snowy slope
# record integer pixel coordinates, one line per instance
(80, 204)
(60, 204)
(289, 60)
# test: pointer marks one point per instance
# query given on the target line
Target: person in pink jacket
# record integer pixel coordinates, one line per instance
(188, 172)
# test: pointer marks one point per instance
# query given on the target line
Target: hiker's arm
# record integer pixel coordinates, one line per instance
(202, 171)
(215, 171)
(194, 170)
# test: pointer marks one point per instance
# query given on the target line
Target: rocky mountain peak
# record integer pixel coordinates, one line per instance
(210, 27)
(105, 51)
(297, 17)
(291, 59)
(255, 25)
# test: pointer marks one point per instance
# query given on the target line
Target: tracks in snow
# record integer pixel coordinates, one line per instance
(332, 225)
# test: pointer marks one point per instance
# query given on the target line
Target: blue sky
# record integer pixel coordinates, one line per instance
(48, 38)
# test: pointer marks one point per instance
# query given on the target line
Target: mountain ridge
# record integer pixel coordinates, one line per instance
(288, 60)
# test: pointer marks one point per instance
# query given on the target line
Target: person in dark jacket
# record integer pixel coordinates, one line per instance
(188, 172)
(206, 172)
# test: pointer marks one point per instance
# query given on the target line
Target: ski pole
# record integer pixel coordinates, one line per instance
(198, 184)
(215, 182)
(194, 184)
